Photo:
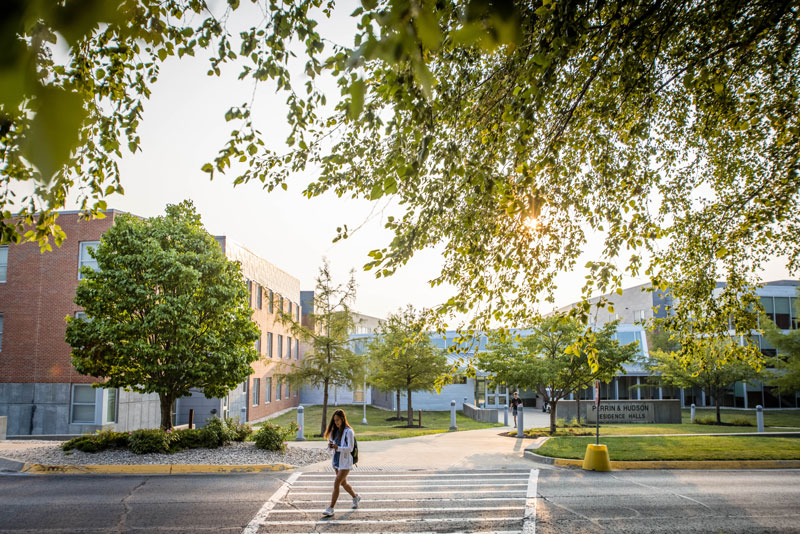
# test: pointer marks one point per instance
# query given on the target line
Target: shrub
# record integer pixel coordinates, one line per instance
(220, 430)
(193, 438)
(100, 441)
(150, 440)
(240, 431)
(271, 437)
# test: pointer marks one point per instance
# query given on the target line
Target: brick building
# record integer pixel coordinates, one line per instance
(42, 394)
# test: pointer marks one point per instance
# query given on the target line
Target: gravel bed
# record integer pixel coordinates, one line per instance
(245, 453)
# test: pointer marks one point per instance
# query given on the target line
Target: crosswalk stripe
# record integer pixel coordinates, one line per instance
(356, 474)
(423, 509)
(460, 499)
(258, 520)
(418, 485)
(410, 492)
(529, 519)
(389, 521)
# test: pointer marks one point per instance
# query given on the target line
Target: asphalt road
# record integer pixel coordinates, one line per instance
(554, 500)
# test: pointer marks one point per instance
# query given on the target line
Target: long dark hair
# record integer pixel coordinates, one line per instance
(332, 425)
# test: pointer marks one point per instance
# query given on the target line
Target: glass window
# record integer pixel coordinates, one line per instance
(249, 285)
(258, 296)
(795, 314)
(85, 259)
(268, 391)
(288, 391)
(782, 313)
(269, 344)
(288, 348)
(111, 405)
(271, 301)
(769, 309)
(297, 312)
(280, 346)
(256, 390)
(277, 389)
(290, 307)
(296, 349)
(83, 403)
(3, 262)
(258, 345)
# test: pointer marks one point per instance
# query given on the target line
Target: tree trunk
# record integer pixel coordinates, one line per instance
(717, 402)
(324, 407)
(166, 410)
(398, 405)
(410, 410)
(578, 406)
(552, 404)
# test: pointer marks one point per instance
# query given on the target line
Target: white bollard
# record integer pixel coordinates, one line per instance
(505, 416)
(520, 426)
(760, 418)
(300, 418)
(691, 420)
(453, 426)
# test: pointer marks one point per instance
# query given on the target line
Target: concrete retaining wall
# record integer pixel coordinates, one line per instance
(624, 411)
(481, 414)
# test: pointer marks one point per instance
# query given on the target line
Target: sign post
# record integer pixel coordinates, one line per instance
(597, 411)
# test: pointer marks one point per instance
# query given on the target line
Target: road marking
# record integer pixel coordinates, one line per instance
(419, 475)
(460, 499)
(422, 509)
(421, 485)
(529, 519)
(414, 520)
(258, 520)
(410, 492)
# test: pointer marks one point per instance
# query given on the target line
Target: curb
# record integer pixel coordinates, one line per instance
(149, 469)
(671, 464)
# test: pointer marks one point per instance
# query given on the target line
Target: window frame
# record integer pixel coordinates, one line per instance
(269, 344)
(271, 302)
(3, 264)
(267, 390)
(73, 404)
(296, 349)
(84, 245)
(280, 346)
(256, 392)
(259, 298)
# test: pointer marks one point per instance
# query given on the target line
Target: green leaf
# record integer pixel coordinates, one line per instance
(428, 29)
(356, 103)
(54, 131)
(376, 192)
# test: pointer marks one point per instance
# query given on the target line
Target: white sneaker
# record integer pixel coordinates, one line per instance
(328, 512)
(356, 500)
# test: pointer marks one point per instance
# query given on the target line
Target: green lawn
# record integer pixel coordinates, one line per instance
(378, 428)
(783, 418)
(679, 448)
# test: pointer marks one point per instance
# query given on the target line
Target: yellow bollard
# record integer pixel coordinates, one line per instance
(596, 458)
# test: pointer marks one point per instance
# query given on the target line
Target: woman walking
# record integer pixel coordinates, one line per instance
(341, 439)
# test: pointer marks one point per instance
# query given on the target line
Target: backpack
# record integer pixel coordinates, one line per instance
(355, 450)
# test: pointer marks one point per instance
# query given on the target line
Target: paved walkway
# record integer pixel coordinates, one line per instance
(473, 449)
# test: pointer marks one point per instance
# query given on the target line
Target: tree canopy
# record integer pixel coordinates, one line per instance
(329, 360)
(714, 364)
(512, 133)
(165, 311)
(402, 358)
(544, 360)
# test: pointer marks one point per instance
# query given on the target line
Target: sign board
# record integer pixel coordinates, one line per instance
(623, 412)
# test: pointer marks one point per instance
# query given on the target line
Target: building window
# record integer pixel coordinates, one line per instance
(249, 284)
(277, 389)
(268, 392)
(85, 259)
(290, 308)
(258, 345)
(256, 390)
(269, 344)
(297, 313)
(83, 403)
(288, 391)
(295, 393)
(280, 346)
(289, 348)
(271, 301)
(296, 349)
(258, 296)
(280, 304)
(3, 262)
(783, 313)
(111, 405)
(638, 316)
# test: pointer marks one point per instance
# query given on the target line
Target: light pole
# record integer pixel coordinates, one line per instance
(364, 419)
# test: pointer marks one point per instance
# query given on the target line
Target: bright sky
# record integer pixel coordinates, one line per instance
(183, 128)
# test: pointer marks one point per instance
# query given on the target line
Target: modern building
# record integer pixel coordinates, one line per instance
(40, 391)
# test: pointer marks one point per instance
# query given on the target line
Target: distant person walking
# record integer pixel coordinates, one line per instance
(516, 402)
(341, 438)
